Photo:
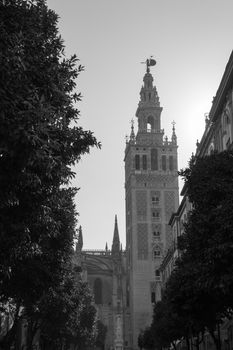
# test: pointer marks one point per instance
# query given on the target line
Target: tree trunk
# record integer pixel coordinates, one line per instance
(174, 345)
(187, 342)
(197, 342)
(217, 340)
(32, 329)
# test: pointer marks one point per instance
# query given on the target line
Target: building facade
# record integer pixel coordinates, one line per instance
(151, 192)
(126, 284)
(104, 270)
(217, 137)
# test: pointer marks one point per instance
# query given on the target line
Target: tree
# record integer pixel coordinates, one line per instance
(101, 330)
(167, 327)
(146, 339)
(71, 305)
(208, 239)
(40, 140)
(186, 304)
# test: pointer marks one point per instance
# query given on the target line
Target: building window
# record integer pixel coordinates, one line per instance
(156, 233)
(157, 275)
(150, 122)
(171, 165)
(153, 297)
(154, 159)
(157, 253)
(98, 291)
(164, 165)
(155, 201)
(144, 162)
(155, 215)
(137, 162)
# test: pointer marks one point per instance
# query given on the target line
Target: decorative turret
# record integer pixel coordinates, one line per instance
(132, 134)
(148, 92)
(77, 259)
(149, 110)
(79, 244)
(116, 240)
(174, 138)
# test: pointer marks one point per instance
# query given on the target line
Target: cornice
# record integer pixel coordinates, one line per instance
(224, 86)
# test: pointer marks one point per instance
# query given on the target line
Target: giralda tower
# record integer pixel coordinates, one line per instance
(151, 192)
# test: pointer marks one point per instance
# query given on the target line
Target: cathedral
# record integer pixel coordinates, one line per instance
(127, 283)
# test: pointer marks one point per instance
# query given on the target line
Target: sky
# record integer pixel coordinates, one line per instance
(191, 40)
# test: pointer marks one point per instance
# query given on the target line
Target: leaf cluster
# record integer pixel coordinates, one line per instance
(40, 141)
(198, 294)
(71, 305)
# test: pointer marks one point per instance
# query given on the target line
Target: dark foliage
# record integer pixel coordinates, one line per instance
(198, 294)
(101, 330)
(40, 140)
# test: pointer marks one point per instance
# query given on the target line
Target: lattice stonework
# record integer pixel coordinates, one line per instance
(142, 235)
(128, 209)
(169, 197)
(154, 180)
(141, 205)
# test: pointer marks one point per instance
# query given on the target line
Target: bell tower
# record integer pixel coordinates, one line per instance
(151, 192)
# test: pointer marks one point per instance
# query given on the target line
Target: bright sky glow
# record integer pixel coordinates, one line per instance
(191, 41)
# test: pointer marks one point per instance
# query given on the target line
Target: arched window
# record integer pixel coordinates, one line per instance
(137, 162)
(154, 159)
(98, 291)
(150, 123)
(164, 163)
(144, 162)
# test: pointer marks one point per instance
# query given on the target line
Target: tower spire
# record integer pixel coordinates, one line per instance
(79, 244)
(132, 134)
(174, 138)
(116, 239)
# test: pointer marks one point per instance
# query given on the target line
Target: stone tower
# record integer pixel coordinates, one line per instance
(151, 188)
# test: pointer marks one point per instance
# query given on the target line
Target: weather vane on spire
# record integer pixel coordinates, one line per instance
(173, 125)
(149, 62)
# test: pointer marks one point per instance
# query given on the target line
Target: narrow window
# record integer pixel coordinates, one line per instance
(137, 162)
(98, 291)
(144, 162)
(154, 159)
(153, 297)
(164, 165)
(171, 167)
(148, 127)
